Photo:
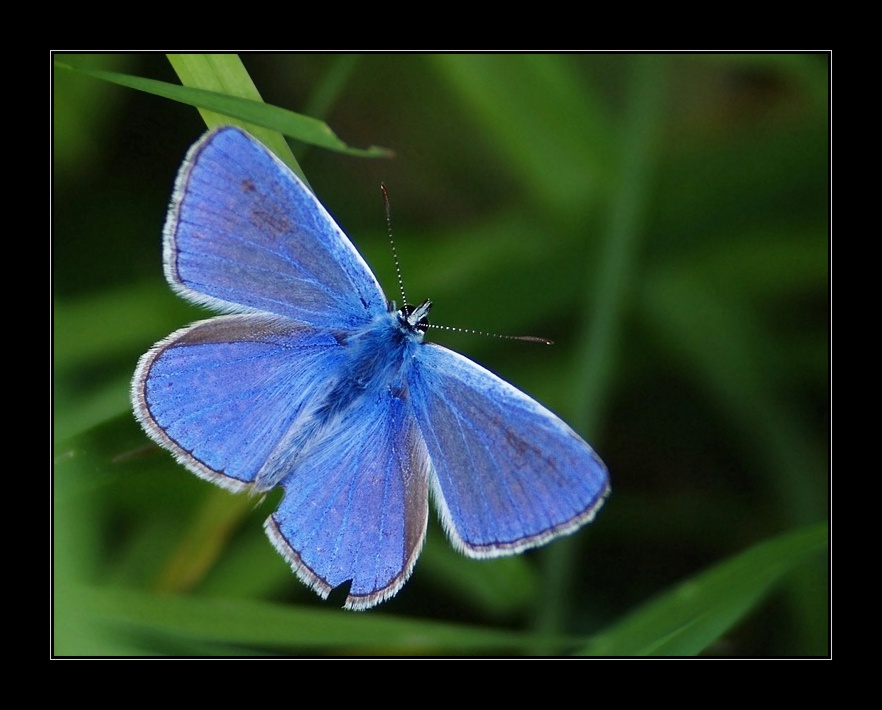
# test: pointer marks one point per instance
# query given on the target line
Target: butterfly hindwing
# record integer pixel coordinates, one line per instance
(356, 507)
(508, 474)
(244, 233)
(228, 395)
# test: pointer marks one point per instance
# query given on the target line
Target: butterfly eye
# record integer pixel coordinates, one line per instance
(417, 317)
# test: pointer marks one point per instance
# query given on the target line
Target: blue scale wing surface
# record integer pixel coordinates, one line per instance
(355, 509)
(243, 233)
(508, 473)
(226, 395)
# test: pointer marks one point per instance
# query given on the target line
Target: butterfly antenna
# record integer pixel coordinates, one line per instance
(524, 338)
(470, 331)
(392, 243)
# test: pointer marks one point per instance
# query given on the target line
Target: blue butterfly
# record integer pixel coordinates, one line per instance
(315, 383)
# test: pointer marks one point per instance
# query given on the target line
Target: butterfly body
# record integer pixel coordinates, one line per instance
(380, 355)
(314, 383)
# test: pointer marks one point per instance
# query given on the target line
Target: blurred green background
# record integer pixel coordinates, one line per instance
(664, 219)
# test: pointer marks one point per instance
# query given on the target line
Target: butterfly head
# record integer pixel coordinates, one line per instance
(415, 318)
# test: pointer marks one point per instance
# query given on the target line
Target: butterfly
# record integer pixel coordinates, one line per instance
(315, 383)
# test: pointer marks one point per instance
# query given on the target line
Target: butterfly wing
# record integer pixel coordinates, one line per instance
(356, 507)
(232, 397)
(508, 474)
(243, 233)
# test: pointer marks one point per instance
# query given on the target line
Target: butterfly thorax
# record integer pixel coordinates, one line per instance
(379, 358)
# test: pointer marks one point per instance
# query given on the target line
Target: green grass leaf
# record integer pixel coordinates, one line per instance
(289, 123)
(276, 628)
(690, 618)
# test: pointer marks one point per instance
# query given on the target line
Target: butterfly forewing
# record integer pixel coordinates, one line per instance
(509, 474)
(243, 233)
